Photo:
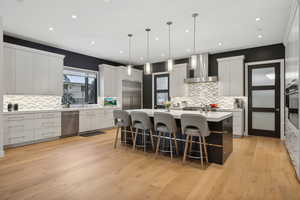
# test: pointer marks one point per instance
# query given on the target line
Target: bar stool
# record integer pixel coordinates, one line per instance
(122, 121)
(141, 122)
(195, 125)
(166, 127)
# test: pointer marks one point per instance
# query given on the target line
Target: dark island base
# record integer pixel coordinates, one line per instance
(219, 142)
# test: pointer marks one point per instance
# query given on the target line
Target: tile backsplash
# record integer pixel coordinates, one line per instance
(205, 93)
(32, 102)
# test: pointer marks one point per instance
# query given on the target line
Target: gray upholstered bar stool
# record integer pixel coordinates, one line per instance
(122, 121)
(142, 123)
(195, 125)
(165, 126)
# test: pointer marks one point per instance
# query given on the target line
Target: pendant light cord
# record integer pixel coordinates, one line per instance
(148, 31)
(169, 40)
(195, 33)
(130, 49)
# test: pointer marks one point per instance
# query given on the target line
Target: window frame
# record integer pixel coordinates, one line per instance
(87, 72)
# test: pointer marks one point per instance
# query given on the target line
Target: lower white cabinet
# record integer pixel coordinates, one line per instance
(95, 119)
(23, 128)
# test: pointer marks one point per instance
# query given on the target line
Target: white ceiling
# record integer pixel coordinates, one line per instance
(107, 22)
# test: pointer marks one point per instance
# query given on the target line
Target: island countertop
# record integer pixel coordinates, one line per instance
(211, 116)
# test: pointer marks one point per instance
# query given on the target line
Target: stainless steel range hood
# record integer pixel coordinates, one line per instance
(200, 73)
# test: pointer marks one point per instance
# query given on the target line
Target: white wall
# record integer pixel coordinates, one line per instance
(1, 88)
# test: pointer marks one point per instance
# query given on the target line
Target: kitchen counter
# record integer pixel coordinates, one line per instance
(211, 116)
(216, 110)
(58, 110)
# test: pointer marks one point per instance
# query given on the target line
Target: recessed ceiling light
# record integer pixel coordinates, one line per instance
(157, 38)
(121, 52)
(93, 42)
(74, 16)
(188, 50)
(141, 58)
(187, 30)
(220, 44)
(257, 19)
(259, 36)
(51, 28)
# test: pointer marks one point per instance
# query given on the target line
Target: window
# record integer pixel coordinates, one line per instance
(80, 87)
(161, 90)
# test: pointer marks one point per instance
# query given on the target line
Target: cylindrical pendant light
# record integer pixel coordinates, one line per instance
(193, 58)
(148, 67)
(170, 61)
(129, 66)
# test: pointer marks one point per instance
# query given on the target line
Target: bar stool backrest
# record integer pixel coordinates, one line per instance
(165, 119)
(121, 118)
(139, 117)
(195, 121)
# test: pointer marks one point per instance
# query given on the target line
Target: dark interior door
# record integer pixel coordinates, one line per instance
(264, 100)
(161, 90)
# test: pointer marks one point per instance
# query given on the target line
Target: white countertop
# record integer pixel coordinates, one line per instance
(59, 110)
(217, 110)
(211, 116)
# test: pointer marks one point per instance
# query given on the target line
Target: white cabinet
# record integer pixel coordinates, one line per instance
(95, 119)
(109, 77)
(177, 86)
(238, 123)
(24, 72)
(24, 128)
(32, 72)
(231, 76)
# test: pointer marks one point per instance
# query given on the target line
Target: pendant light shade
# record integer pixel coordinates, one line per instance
(170, 61)
(129, 66)
(148, 66)
(193, 58)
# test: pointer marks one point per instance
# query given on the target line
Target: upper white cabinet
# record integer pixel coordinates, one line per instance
(177, 86)
(32, 72)
(231, 76)
(111, 78)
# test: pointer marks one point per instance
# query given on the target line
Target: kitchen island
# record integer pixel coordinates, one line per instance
(220, 140)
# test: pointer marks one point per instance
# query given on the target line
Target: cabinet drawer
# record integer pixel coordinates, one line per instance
(47, 133)
(48, 123)
(53, 115)
(18, 137)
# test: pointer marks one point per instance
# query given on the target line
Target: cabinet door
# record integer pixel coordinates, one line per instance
(40, 74)
(24, 78)
(83, 121)
(9, 70)
(237, 77)
(224, 71)
(55, 75)
(177, 85)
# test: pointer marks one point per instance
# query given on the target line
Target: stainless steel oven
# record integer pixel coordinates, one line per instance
(292, 103)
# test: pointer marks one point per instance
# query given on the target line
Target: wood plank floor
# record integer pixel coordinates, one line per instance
(81, 168)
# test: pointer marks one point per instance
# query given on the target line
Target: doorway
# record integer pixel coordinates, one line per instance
(161, 90)
(264, 100)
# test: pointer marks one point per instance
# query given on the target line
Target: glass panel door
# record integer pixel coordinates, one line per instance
(264, 100)
(161, 90)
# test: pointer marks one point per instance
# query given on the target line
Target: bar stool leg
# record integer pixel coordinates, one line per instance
(152, 142)
(132, 134)
(144, 135)
(201, 155)
(171, 146)
(135, 136)
(125, 134)
(205, 149)
(176, 144)
(116, 138)
(185, 148)
(158, 144)
(191, 145)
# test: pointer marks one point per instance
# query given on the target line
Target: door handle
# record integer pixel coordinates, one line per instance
(277, 109)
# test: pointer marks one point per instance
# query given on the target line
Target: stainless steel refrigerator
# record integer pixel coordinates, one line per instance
(131, 95)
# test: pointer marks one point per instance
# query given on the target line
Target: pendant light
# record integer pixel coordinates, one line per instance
(148, 67)
(193, 58)
(129, 66)
(170, 62)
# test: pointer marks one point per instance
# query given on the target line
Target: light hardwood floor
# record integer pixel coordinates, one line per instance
(80, 168)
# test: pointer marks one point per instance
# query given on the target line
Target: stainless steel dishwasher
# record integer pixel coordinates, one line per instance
(69, 123)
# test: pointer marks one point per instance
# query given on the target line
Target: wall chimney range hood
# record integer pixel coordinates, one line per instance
(200, 73)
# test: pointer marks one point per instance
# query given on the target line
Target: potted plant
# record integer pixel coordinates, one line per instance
(168, 105)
